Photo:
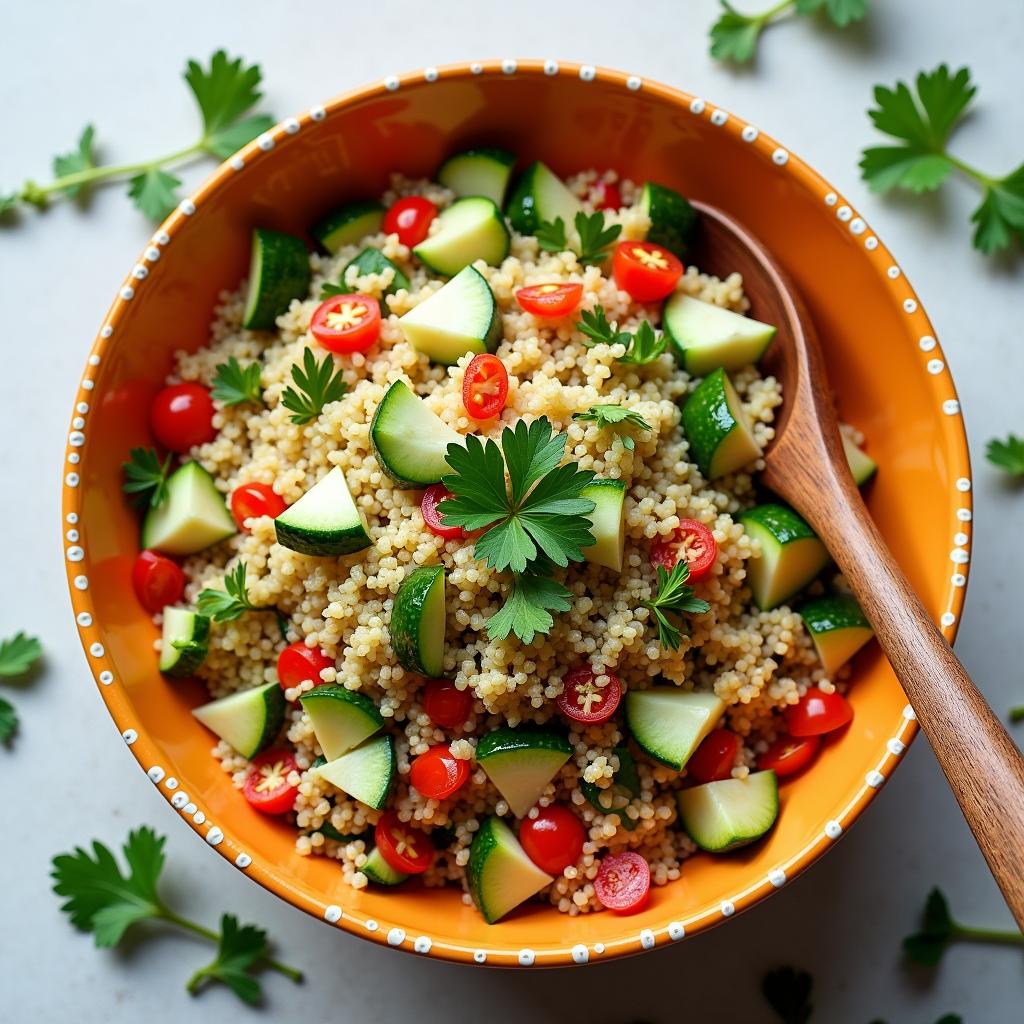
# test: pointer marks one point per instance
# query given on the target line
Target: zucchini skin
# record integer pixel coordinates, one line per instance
(191, 657)
(284, 275)
(320, 543)
(708, 420)
(507, 740)
(521, 208)
(406, 615)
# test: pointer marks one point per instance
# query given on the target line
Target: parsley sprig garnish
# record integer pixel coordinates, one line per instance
(922, 125)
(316, 385)
(642, 346)
(735, 36)
(528, 606)
(100, 898)
(674, 596)
(616, 418)
(18, 654)
(594, 236)
(1008, 455)
(939, 930)
(235, 384)
(233, 601)
(145, 476)
(225, 92)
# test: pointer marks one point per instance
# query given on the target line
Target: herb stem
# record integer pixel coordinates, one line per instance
(211, 936)
(772, 12)
(972, 172)
(991, 935)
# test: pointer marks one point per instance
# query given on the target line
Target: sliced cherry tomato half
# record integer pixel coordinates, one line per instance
(818, 713)
(347, 323)
(645, 270)
(445, 704)
(297, 663)
(405, 848)
(695, 541)
(267, 787)
(410, 219)
(432, 497)
(788, 755)
(584, 701)
(623, 882)
(250, 501)
(554, 839)
(157, 580)
(605, 195)
(181, 416)
(551, 300)
(485, 387)
(712, 761)
(438, 773)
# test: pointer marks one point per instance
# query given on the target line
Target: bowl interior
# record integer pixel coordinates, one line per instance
(876, 367)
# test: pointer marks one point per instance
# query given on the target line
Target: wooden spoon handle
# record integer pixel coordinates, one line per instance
(983, 765)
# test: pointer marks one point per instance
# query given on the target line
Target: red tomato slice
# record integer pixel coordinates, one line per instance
(445, 704)
(157, 580)
(550, 300)
(405, 848)
(297, 663)
(605, 195)
(818, 713)
(554, 839)
(250, 501)
(438, 773)
(266, 787)
(181, 416)
(788, 755)
(584, 701)
(410, 219)
(647, 271)
(347, 323)
(712, 761)
(485, 387)
(623, 882)
(695, 541)
(432, 497)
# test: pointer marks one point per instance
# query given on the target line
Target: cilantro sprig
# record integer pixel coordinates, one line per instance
(590, 227)
(18, 654)
(642, 346)
(674, 596)
(615, 418)
(145, 476)
(235, 384)
(316, 385)
(922, 122)
(939, 930)
(233, 601)
(1008, 455)
(735, 35)
(99, 897)
(225, 92)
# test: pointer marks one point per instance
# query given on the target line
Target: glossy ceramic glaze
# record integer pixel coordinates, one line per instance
(884, 363)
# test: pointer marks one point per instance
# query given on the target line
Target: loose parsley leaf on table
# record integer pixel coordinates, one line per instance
(145, 476)
(17, 655)
(316, 385)
(1008, 455)
(81, 159)
(8, 721)
(154, 192)
(594, 236)
(922, 124)
(642, 346)
(235, 384)
(787, 991)
(102, 899)
(676, 596)
(616, 418)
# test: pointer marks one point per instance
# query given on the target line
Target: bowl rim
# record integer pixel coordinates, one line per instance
(391, 933)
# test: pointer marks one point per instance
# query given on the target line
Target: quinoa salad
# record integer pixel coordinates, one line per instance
(456, 516)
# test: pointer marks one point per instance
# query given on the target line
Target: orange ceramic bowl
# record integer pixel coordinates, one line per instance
(883, 360)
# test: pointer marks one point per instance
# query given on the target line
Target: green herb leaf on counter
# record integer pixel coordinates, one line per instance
(316, 385)
(18, 654)
(225, 92)
(526, 611)
(145, 476)
(1017, 714)
(735, 35)
(939, 930)
(922, 122)
(235, 384)
(642, 346)
(616, 418)
(593, 235)
(102, 899)
(787, 991)
(1008, 455)
(675, 596)
(8, 721)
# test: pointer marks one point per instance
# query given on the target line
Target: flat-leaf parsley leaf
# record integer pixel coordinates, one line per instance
(594, 236)
(675, 596)
(235, 384)
(1008, 455)
(616, 418)
(528, 606)
(240, 948)
(145, 476)
(316, 385)
(81, 159)
(642, 346)
(17, 655)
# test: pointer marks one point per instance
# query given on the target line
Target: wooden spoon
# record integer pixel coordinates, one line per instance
(806, 466)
